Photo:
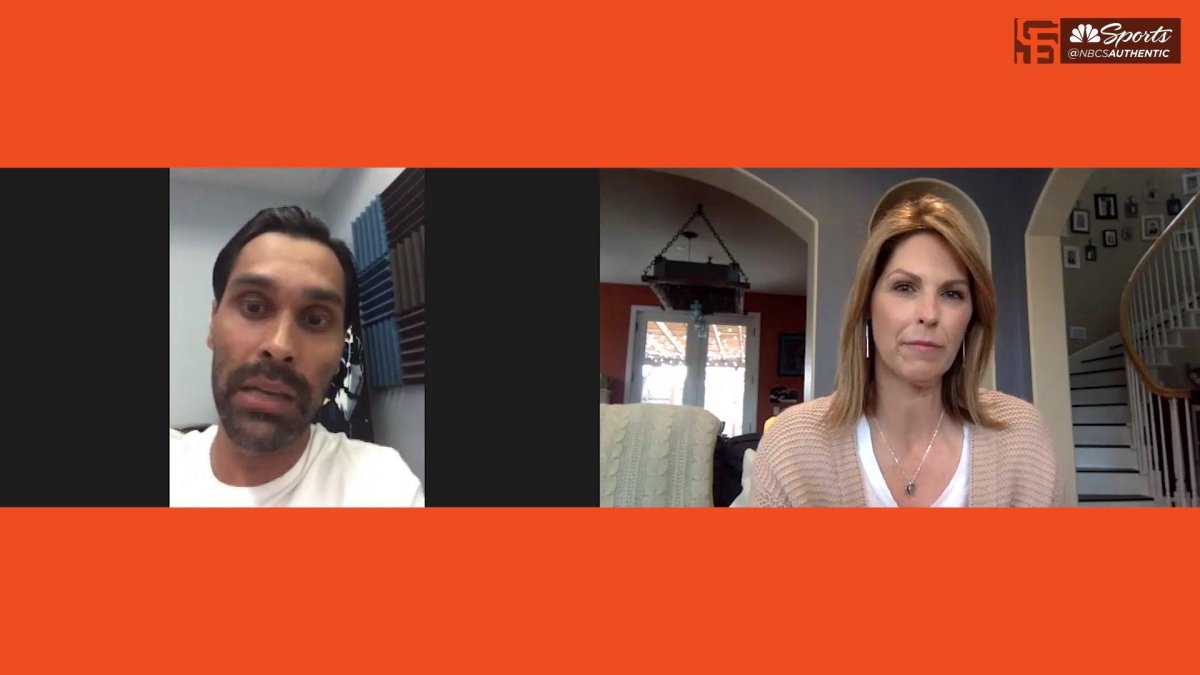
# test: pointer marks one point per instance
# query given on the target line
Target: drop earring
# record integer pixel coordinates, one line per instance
(867, 331)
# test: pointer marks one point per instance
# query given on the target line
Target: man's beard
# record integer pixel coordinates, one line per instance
(257, 432)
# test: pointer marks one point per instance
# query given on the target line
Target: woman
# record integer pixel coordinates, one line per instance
(908, 424)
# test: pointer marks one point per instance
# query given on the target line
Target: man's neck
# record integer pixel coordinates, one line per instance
(232, 465)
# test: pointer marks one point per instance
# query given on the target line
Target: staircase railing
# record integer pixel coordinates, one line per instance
(1160, 302)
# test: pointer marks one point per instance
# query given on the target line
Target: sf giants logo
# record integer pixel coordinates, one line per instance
(1035, 40)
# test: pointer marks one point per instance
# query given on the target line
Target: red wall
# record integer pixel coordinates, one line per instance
(780, 314)
(615, 303)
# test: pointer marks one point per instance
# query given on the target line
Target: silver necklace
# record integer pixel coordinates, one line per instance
(911, 486)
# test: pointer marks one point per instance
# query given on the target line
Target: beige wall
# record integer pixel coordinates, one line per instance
(1093, 293)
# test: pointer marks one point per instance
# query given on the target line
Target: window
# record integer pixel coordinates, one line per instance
(674, 360)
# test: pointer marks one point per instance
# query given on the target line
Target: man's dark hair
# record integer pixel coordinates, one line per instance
(294, 222)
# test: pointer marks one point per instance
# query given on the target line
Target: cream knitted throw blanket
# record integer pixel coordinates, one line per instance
(656, 455)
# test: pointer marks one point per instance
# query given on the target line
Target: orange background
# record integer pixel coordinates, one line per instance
(538, 83)
(542, 83)
(591, 590)
(780, 314)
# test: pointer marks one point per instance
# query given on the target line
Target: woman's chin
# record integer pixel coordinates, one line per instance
(923, 377)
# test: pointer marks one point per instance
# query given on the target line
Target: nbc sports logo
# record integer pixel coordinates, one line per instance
(1084, 32)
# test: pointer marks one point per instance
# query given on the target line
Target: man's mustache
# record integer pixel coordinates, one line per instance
(271, 371)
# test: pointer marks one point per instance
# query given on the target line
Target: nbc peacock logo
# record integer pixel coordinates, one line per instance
(1085, 32)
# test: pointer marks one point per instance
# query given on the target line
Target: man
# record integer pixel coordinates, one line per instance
(284, 294)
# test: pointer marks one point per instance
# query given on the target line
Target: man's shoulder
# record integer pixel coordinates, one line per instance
(367, 462)
(353, 449)
(195, 438)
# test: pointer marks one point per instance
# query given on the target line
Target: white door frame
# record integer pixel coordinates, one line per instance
(694, 387)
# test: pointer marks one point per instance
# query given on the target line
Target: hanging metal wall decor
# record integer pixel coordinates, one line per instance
(701, 288)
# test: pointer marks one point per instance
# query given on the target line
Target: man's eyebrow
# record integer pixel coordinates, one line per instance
(256, 280)
(315, 294)
(324, 295)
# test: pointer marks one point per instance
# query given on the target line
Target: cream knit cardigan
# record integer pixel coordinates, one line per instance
(801, 462)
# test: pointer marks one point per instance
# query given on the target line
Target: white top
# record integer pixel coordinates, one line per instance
(333, 471)
(876, 490)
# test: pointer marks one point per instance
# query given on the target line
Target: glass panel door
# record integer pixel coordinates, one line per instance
(663, 363)
(725, 376)
(713, 365)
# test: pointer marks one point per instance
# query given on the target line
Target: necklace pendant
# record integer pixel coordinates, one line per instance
(910, 488)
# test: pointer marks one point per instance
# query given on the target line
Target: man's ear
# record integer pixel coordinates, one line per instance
(208, 340)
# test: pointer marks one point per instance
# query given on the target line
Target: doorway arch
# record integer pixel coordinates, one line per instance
(741, 183)
(1048, 357)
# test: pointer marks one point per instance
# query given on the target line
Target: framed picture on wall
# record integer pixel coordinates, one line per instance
(1185, 240)
(1079, 221)
(1071, 257)
(1191, 182)
(1152, 226)
(1106, 206)
(1110, 238)
(791, 354)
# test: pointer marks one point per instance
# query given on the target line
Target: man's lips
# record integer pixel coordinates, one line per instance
(269, 388)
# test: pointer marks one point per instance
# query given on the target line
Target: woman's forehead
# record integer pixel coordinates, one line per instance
(926, 255)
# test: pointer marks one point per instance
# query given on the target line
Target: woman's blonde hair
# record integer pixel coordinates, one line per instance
(855, 391)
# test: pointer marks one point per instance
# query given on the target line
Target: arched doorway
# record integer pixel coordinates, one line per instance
(1048, 357)
(743, 184)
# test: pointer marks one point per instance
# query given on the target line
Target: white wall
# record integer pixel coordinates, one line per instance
(398, 414)
(640, 210)
(1093, 292)
(202, 219)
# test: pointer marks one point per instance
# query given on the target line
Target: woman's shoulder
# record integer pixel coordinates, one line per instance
(802, 428)
(1022, 427)
(1009, 410)
(806, 418)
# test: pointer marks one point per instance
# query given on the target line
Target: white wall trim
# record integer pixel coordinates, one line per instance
(1048, 357)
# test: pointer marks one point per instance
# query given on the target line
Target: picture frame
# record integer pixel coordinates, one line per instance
(1080, 221)
(1110, 238)
(1152, 226)
(1174, 206)
(791, 354)
(1191, 182)
(1131, 208)
(1151, 193)
(1106, 206)
(1185, 240)
(1071, 257)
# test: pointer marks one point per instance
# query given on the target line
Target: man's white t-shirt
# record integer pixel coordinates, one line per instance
(333, 471)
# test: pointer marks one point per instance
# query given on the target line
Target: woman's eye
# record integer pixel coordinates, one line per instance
(903, 287)
(957, 295)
